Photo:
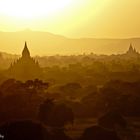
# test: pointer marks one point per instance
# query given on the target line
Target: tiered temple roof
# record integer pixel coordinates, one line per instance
(25, 68)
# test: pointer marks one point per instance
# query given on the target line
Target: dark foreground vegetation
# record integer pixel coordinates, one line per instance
(29, 111)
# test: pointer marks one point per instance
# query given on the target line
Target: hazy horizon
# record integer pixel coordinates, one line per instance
(70, 37)
(46, 43)
(69, 26)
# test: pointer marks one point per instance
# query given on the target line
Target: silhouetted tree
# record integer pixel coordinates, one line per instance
(24, 130)
(71, 89)
(36, 85)
(98, 133)
(45, 109)
(55, 115)
(59, 134)
(112, 119)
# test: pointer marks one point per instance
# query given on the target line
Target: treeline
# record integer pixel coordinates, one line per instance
(25, 98)
(84, 69)
(36, 100)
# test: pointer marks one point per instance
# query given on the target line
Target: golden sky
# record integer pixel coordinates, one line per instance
(73, 18)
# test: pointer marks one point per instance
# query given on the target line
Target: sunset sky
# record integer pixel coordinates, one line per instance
(73, 18)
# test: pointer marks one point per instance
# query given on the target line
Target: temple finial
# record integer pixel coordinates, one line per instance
(25, 52)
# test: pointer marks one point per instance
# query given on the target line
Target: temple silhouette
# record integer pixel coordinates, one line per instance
(25, 68)
(132, 51)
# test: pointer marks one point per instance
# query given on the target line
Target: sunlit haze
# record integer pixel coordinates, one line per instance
(71, 19)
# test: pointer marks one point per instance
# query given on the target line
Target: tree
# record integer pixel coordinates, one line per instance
(45, 109)
(36, 85)
(112, 119)
(24, 130)
(55, 114)
(98, 133)
(71, 89)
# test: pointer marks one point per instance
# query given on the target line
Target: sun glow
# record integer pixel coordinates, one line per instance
(31, 9)
(56, 16)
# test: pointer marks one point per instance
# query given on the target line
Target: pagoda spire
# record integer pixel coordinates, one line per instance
(131, 48)
(25, 52)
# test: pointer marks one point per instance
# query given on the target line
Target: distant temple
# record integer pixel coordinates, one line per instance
(25, 68)
(132, 51)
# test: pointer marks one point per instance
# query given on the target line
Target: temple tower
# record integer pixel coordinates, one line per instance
(25, 52)
(25, 68)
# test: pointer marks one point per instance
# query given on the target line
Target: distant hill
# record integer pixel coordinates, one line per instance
(44, 43)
